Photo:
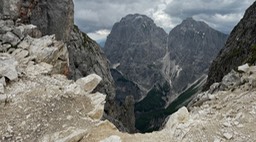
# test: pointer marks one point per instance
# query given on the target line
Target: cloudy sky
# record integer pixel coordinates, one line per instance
(96, 17)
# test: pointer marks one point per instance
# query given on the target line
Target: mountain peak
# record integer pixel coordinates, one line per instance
(191, 23)
(136, 19)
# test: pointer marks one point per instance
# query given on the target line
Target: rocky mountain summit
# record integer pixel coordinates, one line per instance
(134, 44)
(161, 66)
(192, 46)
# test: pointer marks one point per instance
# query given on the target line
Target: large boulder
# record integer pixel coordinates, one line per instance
(8, 66)
(89, 83)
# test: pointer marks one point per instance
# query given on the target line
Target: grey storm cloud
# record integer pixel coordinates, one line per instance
(93, 16)
(220, 14)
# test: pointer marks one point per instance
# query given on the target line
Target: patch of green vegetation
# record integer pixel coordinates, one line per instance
(183, 97)
(142, 123)
(122, 79)
(152, 101)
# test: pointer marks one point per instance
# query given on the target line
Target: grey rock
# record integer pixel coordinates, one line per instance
(20, 54)
(9, 8)
(24, 30)
(232, 79)
(6, 26)
(228, 136)
(53, 17)
(244, 68)
(239, 48)
(25, 43)
(8, 66)
(252, 80)
(86, 57)
(1, 88)
(41, 68)
(89, 83)
(2, 81)
(70, 134)
(10, 38)
(43, 49)
(214, 88)
(5, 47)
(5, 29)
(47, 49)
(3, 99)
(2, 85)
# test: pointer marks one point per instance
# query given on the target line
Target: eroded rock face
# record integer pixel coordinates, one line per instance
(85, 58)
(51, 17)
(9, 8)
(56, 17)
(239, 49)
(192, 45)
(136, 43)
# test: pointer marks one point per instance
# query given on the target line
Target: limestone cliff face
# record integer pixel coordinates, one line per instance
(51, 17)
(240, 48)
(86, 57)
(192, 45)
(137, 44)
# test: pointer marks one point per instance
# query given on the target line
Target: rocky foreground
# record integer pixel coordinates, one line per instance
(38, 102)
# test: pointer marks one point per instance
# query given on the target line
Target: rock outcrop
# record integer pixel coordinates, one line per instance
(51, 17)
(240, 48)
(85, 58)
(19, 49)
(57, 17)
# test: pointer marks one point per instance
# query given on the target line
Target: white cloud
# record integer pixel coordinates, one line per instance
(94, 15)
(222, 15)
(99, 35)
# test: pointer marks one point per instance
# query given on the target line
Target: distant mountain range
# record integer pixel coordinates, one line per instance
(162, 66)
(101, 43)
